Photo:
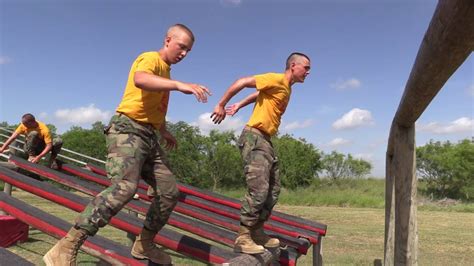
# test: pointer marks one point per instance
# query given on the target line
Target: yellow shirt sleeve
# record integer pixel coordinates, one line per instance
(264, 81)
(21, 129)
(45, 133)
(145, 64)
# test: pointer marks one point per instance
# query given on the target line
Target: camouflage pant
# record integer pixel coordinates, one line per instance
(262, 177)
(34, 145)
(133, 151)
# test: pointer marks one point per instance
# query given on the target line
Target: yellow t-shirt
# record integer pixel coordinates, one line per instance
(42, 129)
(273, 97)
(146, 106)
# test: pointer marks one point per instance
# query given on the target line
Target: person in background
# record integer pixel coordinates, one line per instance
(38, 140)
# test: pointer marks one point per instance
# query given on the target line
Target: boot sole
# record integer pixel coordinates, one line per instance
(141, 257)
(271, 246)
(246, 251)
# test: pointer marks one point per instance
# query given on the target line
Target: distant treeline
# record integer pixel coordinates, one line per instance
(213, 161)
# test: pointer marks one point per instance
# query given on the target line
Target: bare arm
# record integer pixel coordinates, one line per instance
(150, 82)
(219, 113)
(48, 147)
(234, 108)
(171, 142)
(9, 141)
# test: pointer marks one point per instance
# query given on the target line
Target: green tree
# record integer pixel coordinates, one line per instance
(98, 126)
(90, 142)
(299, 161)
(52, 129)
(335, 165)
(338, 166)
(358, 168)
(223, 160)
(188, 159)
(447, 168)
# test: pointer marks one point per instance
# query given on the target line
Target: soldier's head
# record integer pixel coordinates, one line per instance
(299, 65)
(178, 42)
(29, 121)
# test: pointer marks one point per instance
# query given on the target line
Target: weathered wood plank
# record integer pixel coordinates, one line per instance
(447, 43)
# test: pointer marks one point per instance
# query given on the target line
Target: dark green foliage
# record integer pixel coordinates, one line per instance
(90, 142)
(187, 160)
(299, 161)
(338, 166)
(224, 164)
(214, 161)
(447, 168)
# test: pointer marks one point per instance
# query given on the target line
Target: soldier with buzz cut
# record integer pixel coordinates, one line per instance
(134, 152)
(260, 163)
(38, 140)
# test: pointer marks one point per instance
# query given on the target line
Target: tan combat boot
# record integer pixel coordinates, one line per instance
(260, 238)
(53, 164)
(245, 244)
(65, 251)
(144, 248)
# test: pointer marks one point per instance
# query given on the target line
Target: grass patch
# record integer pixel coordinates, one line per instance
(345, 193)
(355, 235)
(359, 193)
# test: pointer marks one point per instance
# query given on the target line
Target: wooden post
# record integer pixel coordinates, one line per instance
(7, 188)
(447, 43)
(404, 172)
(389, 210)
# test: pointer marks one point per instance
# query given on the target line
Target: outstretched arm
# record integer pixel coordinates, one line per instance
(9, 141)
(234, 108)
(219, 113)
(150, 82)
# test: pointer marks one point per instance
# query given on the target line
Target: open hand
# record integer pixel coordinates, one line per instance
(218, 115)
(168, 139)
(232, 109)
(34, 159)
(200, 91)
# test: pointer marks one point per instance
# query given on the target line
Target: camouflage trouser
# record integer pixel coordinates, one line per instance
(34, 145)
(262, 177)
(133, 151)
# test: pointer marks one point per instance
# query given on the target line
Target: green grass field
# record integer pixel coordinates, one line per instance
(359, 193)
(355, 235)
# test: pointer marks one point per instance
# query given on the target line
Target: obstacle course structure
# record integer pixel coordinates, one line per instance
(199, 212)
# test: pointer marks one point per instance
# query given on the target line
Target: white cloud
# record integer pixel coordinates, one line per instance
(341, 85)
(5, 60)
(82, 115)
(470, 90)
(205, 123)
(297, 125)
(353, 119)
(463, 124)
(338, 142)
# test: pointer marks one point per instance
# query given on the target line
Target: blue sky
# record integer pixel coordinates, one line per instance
(67, 63)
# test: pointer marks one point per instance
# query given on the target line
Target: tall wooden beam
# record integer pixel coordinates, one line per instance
(447, 43)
